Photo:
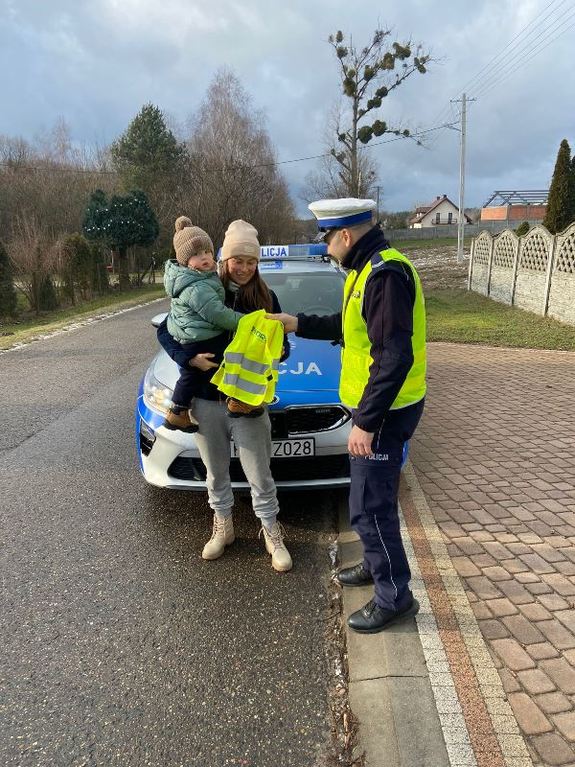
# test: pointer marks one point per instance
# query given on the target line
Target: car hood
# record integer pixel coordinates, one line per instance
(313, 366)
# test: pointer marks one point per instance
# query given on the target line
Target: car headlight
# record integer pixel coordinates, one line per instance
(156, 394)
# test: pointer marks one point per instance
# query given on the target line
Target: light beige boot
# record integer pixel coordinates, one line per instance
(281, 560)
(222, 535)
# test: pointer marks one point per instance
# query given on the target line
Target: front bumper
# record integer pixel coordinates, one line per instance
(170, 459)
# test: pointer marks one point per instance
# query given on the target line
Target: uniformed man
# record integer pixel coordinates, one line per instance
(382, 331)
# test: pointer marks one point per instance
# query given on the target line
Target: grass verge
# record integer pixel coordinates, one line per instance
(454, 315)
(460, 316)
(432, 242)
(27, 329)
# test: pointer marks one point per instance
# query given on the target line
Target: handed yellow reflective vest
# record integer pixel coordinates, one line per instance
(249, 370)
(356, 358)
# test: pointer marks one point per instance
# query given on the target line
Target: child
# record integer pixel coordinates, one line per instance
(197, 311)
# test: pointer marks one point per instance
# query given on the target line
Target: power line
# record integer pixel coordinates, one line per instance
(468, 85)
(21, 166)
(240, 167)
(440, 115)
(559, 25)
(411, 135)
(329, 154)
(500, 54)
(453, 120)
(506, 72)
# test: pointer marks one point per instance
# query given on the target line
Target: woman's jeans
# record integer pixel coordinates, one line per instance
(252, 437)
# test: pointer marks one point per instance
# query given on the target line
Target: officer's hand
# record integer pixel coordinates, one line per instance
(203, 361)
(288, 321)
(359, 442)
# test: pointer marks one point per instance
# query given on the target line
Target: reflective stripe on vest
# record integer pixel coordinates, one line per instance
(254, 367)
(235, 379)
(250, 368)
(356, 358)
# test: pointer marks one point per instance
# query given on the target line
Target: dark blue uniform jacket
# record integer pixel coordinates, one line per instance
(388, 311)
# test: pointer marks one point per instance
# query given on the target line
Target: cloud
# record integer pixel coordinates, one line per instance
(95, 63)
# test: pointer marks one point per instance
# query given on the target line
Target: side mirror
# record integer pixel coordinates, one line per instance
(158, 319)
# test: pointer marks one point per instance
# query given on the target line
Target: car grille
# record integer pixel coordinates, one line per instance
(283, 469)
(306, 420)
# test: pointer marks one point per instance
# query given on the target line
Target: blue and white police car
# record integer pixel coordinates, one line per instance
(310, 426)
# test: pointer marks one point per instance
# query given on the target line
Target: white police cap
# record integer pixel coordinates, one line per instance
(347, 211)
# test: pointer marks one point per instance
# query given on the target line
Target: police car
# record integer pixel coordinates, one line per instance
(310, 427)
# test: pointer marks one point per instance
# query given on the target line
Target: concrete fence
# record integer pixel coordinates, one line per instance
(444, 230)
(535, 272)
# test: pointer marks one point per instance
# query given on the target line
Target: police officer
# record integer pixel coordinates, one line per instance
(383, 382)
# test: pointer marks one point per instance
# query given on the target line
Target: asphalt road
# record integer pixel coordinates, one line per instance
(120, 645)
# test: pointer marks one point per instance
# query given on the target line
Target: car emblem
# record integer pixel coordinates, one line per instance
(275, 400)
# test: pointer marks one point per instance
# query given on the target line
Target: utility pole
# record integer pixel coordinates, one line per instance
(461, 215)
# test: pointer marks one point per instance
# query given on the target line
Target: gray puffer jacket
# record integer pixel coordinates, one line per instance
(197, 311)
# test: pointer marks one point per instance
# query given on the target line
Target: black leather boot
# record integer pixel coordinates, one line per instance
(354, 576)
(372, 618)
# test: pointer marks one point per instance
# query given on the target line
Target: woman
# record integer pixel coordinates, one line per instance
(245, 292)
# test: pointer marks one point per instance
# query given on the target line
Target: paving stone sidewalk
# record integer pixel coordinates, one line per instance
(495, 457)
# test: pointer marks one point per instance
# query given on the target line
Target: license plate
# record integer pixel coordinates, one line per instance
(287, 448)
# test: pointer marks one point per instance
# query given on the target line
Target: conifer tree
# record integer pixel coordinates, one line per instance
(47, 294)
(99, 281)
(147, 152)
(120, 223)
(8, 298)
(558, 214)
(522, 229)
(77, 253)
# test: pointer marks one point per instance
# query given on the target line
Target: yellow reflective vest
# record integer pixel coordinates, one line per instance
(249, 370)
(356, 358)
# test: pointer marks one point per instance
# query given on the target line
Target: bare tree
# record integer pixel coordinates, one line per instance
(14, 152)
(233, 171)
(44, 190)
(368, 75)
(33, 255)
(52, 180)
(331, 179)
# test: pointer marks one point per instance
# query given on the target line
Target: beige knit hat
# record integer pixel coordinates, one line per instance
(241, 239)
(189, 240)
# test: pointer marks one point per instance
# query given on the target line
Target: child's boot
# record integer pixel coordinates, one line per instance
(179, 418)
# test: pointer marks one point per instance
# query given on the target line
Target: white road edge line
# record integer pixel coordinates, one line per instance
(76, 325)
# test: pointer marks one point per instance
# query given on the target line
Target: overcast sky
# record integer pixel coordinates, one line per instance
(96, 63)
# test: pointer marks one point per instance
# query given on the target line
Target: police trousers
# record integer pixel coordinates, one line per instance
(373, 507)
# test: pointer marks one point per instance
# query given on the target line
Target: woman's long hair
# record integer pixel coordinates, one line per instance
(253, 295)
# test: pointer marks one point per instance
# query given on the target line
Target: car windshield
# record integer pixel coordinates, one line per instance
(319, 293)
